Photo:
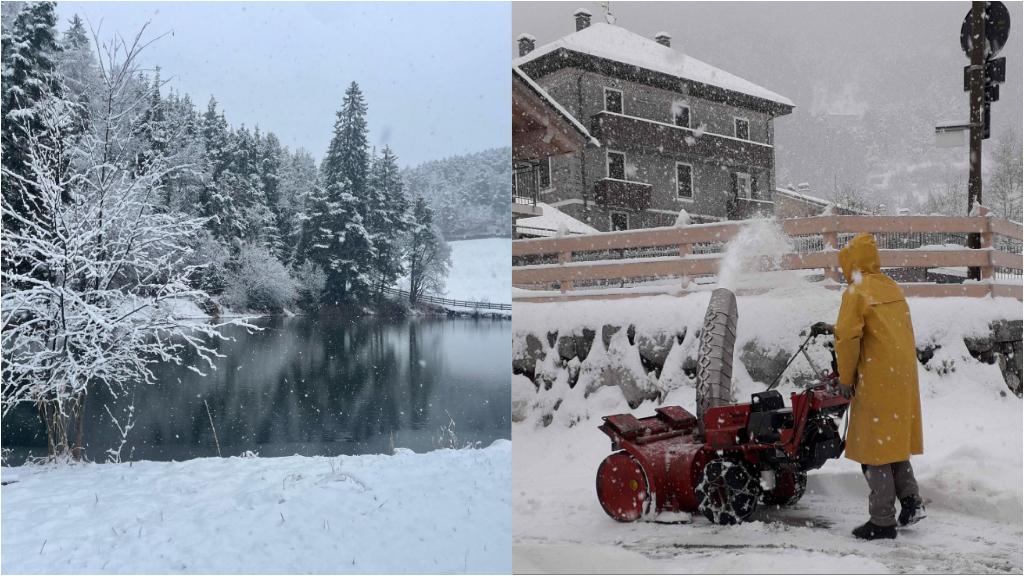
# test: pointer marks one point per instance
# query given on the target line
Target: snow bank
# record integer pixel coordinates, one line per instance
(440, 512)
(481, 270)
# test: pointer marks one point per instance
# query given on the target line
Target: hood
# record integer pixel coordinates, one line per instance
(860, 253)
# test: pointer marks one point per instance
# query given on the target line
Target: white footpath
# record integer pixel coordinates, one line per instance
(444, 511)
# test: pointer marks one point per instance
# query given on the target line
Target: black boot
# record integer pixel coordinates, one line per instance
(911, 510)
(870, 531)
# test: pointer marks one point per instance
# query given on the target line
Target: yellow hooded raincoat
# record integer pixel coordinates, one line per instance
(875, 353)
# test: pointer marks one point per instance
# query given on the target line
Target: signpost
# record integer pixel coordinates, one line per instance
(982, 35)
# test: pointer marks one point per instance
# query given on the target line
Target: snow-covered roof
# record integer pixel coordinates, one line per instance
(554, 104)
(552, 221)
(616, 43)
(804, 197)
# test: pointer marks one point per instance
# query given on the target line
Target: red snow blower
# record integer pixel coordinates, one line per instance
(729, 457)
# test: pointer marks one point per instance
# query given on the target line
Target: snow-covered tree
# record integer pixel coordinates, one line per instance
(95, 303)
(1003, 193)
(387, 218)
(29, 76)
(427, 255)
(336, 236)
(258, 281)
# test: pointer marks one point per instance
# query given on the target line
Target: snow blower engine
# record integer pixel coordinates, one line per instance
(728, 457)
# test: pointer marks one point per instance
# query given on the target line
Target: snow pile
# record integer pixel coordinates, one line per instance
(552, 221)
(481, 270)
(440, 512)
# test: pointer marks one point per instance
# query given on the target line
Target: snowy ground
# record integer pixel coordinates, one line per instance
(444, 511)
(481, 270)
(970, 475)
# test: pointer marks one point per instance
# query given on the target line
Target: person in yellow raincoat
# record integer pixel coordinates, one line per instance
(877, 363)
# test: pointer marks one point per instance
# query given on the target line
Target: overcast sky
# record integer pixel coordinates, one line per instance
(899, 64)
(435, 75)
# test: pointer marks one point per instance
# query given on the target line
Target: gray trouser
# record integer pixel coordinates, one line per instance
(888, 482)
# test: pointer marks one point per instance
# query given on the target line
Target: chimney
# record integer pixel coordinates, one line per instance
(526, 44)
(663, 38)
(582, 19)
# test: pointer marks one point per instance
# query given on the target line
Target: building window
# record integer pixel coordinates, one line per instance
(681, 115)
(544, 174)
(616, 165)
(742, 126)
(613, 100)
(741, 184)
(620, 221)
(684, 181)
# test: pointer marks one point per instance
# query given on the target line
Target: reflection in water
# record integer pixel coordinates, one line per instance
(313, 387)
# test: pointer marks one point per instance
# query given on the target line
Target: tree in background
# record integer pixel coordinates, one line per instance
(1003, 194)
(387, 218)
(427, 255)
(29, 77)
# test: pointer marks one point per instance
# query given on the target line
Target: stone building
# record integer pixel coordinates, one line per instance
(676, 133)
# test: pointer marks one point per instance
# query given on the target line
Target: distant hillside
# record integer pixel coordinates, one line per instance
(471, 194)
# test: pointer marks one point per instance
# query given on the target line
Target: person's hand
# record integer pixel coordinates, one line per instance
(821, 328)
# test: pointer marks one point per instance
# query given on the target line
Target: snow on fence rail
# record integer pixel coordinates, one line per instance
(907, 242)
(449, 303)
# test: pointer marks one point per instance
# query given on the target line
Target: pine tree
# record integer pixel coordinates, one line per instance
(388, 219)
(335, 235)
(348, 155)
(215, 200)
(28, 78)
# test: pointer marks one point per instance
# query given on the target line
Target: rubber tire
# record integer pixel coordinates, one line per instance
(774, 498)
(727, 492)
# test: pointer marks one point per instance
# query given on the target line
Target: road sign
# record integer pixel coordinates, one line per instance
(951, 135)
(997, 29)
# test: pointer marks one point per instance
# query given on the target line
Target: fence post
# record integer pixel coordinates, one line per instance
(830, 238)
(684, 251)
(564, 257)
(986, 242)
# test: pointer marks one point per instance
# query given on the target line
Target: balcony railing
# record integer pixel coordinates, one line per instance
(614, 193)
(525, 188)
(630, 132)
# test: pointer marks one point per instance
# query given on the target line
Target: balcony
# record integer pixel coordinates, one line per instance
(613, 193)
(748, 208)
(618, 131)
(525, 186)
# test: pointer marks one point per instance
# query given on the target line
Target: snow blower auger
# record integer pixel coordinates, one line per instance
(729, 457)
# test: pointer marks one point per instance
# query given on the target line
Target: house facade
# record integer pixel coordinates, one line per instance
(676, 133)
(541, 129)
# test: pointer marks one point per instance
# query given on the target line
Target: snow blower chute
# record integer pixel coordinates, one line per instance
(728, 457)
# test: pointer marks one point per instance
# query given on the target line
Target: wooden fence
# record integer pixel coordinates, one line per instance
(560, 268)
(449, 303)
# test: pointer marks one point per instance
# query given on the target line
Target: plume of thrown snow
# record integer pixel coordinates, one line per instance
(754, 259)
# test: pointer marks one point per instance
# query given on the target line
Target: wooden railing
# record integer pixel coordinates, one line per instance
(561, 264)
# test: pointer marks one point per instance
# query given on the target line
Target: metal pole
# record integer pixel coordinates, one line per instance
(976, 98)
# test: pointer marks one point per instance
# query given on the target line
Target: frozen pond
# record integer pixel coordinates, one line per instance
(312, 387)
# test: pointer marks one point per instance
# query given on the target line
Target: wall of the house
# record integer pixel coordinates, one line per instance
(582, 94)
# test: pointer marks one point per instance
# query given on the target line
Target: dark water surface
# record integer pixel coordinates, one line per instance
(313, 387)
